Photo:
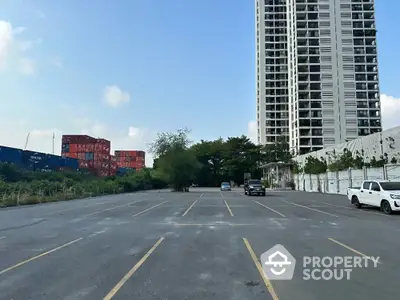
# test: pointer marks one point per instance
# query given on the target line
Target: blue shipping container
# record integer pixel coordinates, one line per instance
(54, 161)
(122, 171)
(37, 161)
(10, 155)
(89, 156)
(72, 163)
(65, 148)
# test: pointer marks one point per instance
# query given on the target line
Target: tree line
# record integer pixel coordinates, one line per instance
(179, 162)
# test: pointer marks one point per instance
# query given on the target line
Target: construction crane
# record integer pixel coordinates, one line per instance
(27, 140)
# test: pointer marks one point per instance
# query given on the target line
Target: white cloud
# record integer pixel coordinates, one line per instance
(11, 47)
(390, 107)
(6, 40)
(114, 96)
(26, 66)
(252, 131)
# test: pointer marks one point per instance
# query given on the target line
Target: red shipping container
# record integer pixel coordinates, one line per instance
(73, 148)
(83, 164)
(77, 139)
(71, 155)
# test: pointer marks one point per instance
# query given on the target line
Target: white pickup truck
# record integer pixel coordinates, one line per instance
(379, 193)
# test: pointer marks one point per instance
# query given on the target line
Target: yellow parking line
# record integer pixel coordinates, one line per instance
(351, 249)
(267, 282)
(147, 209)
(128, 275)
(277, 212)
(108, 209)
(229, 209)
(184, 214)
(38, 256)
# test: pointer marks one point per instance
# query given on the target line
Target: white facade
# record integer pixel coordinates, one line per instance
(317, 72)
(385, 143)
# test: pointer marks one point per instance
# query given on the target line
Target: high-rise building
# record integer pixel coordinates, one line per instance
(317, 72)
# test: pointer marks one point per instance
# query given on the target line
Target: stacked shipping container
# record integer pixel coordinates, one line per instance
(36, 161)
(113, 165)
(93, 154)
(131, 159)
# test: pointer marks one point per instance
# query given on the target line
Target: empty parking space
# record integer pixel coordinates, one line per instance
(205, 244)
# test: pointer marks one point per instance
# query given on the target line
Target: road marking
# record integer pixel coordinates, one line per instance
(313, 209)
(184, 214)
(96, 233)
(2, 237)
(277, 212)
(201, 195)
(351, 249)
(240, 194)
(198, 224)
(267, 282)
(371, 212)
(128, 275)
(229, 209)
(147, 209)
(39, 256)
(221, 194)
(74, 208)
(108, 209)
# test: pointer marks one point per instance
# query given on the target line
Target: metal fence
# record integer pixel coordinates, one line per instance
(338, 182)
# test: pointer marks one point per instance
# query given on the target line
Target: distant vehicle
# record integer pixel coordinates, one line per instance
(254, 187)
(378, 193)
(225, 186)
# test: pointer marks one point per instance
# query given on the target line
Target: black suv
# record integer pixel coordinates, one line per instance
(254, 187)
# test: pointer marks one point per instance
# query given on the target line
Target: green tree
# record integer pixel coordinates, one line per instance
(209, 154)
(241, 156)
(176, 165)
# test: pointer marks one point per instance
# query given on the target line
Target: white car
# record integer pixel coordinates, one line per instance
(379, 193)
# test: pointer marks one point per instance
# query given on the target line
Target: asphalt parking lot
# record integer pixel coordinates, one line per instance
(204, 244)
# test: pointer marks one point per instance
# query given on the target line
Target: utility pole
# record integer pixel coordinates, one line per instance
(54, 136)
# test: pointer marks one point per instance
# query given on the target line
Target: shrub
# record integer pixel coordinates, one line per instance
(25, 188)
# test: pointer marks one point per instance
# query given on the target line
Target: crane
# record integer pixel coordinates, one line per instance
(27, 140)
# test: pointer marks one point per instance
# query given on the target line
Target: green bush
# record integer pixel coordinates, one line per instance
(20, 187)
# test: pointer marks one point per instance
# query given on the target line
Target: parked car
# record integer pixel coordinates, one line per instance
(254, 187)
(378, 193)
(225, 186)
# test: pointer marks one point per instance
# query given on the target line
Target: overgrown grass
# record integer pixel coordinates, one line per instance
(19, 187)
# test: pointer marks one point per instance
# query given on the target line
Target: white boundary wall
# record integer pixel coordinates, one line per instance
(370, 144)
(338, 182)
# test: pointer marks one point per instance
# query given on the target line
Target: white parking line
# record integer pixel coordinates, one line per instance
(351, 208)
(190, 207)
(277, 212)
(2, 237)
(313, 209)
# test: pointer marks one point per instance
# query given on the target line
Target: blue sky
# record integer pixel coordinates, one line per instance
(169, 64)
